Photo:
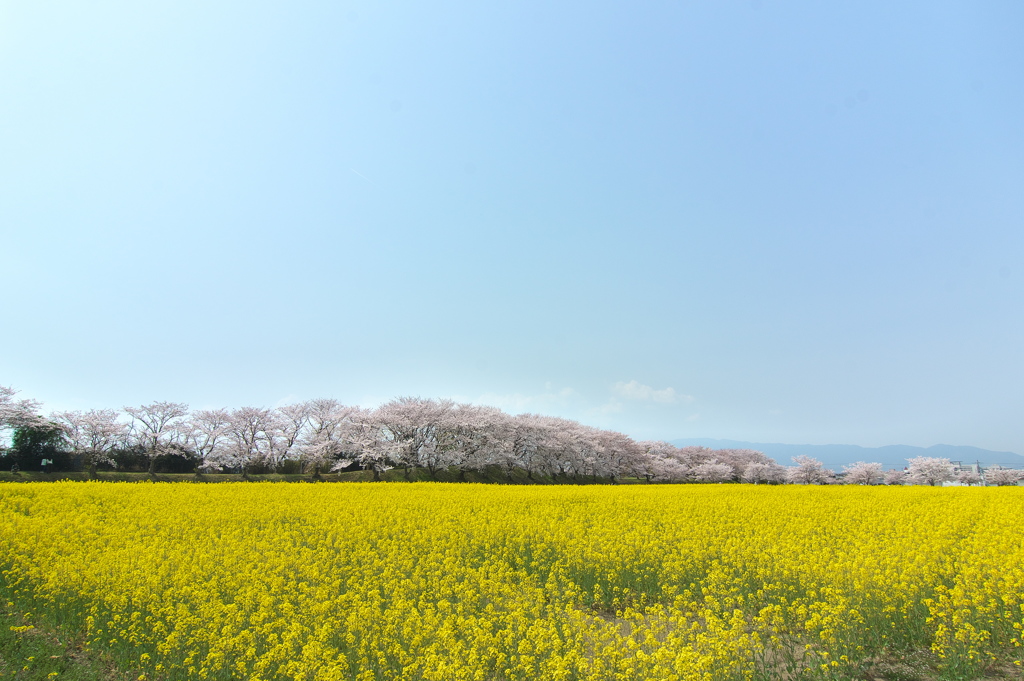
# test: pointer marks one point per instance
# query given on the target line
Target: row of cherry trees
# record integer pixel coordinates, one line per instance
(435, 435)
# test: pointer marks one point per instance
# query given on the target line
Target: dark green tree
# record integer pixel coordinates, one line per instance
(31, 444)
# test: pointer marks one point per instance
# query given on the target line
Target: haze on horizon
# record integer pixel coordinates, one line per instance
(760, 221)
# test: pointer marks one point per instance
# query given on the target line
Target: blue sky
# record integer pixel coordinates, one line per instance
(795, 222)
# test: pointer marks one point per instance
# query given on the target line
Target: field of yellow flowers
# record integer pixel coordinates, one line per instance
(449, 582)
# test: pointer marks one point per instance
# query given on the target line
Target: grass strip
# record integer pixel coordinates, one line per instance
(32, 651)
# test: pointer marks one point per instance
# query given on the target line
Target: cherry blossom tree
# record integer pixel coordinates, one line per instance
(156, 428)
(566, 447)
(927, 470)
(443, 450)
(578, 450)
(292, 422)
(968, 477)
(205, 433)
(1000, 476)
(335, 433)
(862, 473)
(323, 443)
(482, 436)
(740, 459)
(712, 471)
(93, 435)
(694, 456)
(758, 472)
(532, 444)
(252, 436)
(590, 455)
(808, 471)
(657, 461)
(371, 444)
(620, 454)
(670, 469)
(17, 413)
(895, 477)
(419, 431)
(436, 435)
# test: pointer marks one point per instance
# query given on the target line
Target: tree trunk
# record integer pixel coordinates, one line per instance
(376, 474)
(92, 470)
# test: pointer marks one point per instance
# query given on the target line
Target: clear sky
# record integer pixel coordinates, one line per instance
(767, 221)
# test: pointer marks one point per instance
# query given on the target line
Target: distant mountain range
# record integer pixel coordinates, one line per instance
(837, 456)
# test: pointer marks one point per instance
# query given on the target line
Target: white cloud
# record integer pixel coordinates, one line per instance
(635, 390)
(518, 403)
(612, 406)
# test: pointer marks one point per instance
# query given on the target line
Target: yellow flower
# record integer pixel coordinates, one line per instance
(465, 582)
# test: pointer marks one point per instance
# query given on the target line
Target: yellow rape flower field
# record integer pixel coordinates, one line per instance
(449, 582)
